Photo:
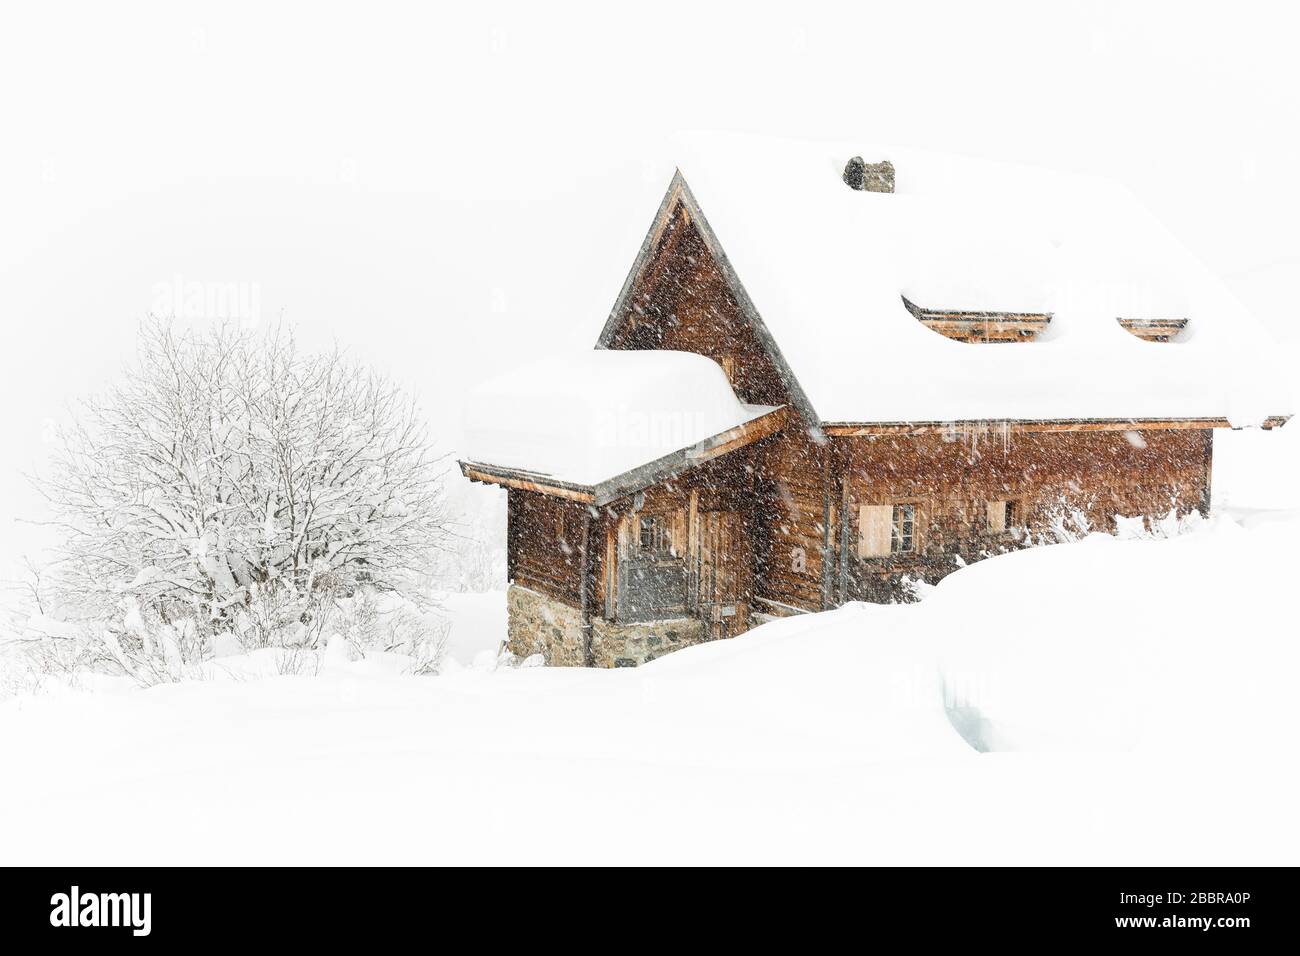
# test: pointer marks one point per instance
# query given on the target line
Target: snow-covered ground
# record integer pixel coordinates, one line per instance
(478, 626)
(1131, 699)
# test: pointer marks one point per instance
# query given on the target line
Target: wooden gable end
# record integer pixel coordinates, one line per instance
(683, 295)
(681, 301)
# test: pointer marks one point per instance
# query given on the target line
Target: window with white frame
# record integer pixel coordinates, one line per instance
(902, 539)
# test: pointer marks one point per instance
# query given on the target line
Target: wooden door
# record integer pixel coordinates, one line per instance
(724, 587)
(651, 568)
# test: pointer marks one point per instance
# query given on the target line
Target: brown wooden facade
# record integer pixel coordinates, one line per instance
(680, 548)
(777, 527)
(802, 515)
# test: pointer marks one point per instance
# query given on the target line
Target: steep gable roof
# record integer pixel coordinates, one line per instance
(676, 213)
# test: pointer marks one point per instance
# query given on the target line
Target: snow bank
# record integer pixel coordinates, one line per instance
(1184, 645)
(1128, 693)
(1257, 470)
(847, 684)
(478, 624)
(1179, 645)
(591, 416)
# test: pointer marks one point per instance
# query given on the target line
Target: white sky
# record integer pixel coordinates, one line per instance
(403, 179)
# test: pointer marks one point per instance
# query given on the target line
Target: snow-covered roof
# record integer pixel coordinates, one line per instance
(826, 268)
(586, 418)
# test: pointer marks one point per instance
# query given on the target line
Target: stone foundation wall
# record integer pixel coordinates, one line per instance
(539, 624)
(627, 645)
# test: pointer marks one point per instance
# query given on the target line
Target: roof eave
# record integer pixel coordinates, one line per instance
(636, 479)
(854, 429)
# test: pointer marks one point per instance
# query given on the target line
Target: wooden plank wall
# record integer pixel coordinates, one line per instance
(793, 511)
(951, 478)
(682, 302)
(726, 484)
(544, 544)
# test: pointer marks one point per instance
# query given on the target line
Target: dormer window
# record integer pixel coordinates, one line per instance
(1154, 330)
(981, 326)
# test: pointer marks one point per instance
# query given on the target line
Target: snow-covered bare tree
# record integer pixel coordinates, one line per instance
(229, 475)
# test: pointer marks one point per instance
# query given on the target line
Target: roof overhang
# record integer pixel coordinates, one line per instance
(856, 429)
(639, 478)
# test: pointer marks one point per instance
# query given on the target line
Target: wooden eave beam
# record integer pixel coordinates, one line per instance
(680, 461)
(856, 429)
(741, 435)
(524, 481)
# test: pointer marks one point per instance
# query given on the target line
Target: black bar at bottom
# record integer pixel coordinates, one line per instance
(378, 907)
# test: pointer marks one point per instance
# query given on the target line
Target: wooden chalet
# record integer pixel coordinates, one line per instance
(879, 433)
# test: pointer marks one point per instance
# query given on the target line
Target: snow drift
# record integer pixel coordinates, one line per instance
(1185, 645)
(1125, 691)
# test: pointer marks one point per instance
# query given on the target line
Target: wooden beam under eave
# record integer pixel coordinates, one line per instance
(507, 480)
(637, 479)
(854, 430)
(670, 466)
(742, 435)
